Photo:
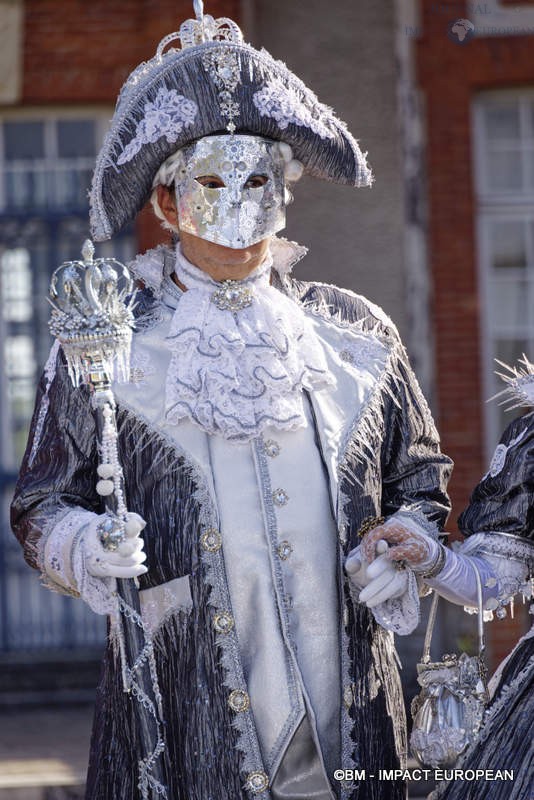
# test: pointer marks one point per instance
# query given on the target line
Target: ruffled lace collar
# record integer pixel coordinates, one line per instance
(240, 364)
(154, 266)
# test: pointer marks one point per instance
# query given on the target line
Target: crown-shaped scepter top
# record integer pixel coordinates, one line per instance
(92, 314)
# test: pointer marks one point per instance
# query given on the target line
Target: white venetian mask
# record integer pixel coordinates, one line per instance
(230, 189)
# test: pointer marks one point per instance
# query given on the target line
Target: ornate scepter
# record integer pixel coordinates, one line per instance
(92, 317)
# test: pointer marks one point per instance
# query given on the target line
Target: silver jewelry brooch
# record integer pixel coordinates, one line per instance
(232, 296)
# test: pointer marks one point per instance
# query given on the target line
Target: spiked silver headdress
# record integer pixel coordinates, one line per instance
(519, 390)
(213, 83)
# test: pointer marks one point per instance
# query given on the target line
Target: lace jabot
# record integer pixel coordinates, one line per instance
(242, 352)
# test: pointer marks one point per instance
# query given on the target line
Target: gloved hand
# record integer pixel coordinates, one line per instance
(357, 566)
(126, 561)
(380, 580)
(415, 548)
(385, 584)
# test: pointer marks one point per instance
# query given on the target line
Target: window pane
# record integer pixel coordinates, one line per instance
(72, 187)
(23, 140)
(505, 169)
(19, 356)
(76, 138)
(502, 122)
(509, 304)
(26, 190)
(16, 285)
(508, 247)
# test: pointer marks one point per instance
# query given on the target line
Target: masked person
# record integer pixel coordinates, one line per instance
(266, 423)
(498, 525)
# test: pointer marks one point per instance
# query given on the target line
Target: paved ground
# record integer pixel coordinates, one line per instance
(43, 754)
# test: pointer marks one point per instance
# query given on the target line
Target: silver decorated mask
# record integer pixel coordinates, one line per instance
(245, 202)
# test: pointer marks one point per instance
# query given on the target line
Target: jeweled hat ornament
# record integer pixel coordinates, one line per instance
(213, 83)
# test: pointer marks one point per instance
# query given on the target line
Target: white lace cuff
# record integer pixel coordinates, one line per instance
(63, 564)
(400, 614)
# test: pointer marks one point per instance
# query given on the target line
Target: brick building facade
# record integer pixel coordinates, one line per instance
(453, 78)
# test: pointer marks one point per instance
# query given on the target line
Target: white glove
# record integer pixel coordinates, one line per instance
(127, 561)
(385, 584)
(362, 574)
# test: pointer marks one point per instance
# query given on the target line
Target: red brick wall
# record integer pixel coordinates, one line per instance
(450, 74)
(77, 51)
(81, 52)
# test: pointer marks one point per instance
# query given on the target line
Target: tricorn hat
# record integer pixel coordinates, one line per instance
(213, 83)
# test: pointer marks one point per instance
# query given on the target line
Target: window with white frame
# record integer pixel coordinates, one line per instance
(504, 173)
(46, 163)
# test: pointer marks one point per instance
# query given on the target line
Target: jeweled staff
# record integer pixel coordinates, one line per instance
(92, 317)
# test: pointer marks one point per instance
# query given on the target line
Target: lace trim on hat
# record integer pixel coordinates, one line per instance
(282, 104)
(167, 115)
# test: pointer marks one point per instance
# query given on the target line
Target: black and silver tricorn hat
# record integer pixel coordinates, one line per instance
(213, 83)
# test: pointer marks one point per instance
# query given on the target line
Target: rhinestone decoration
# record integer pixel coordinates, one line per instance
(348, 696)
(239, 701)
(257, 782)
(280, 497)
(501, 613)
(232, 296)
(272, 448)
(211, 540)
(223, 65)
(284, 550)
(111, 533)
(223, 622)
